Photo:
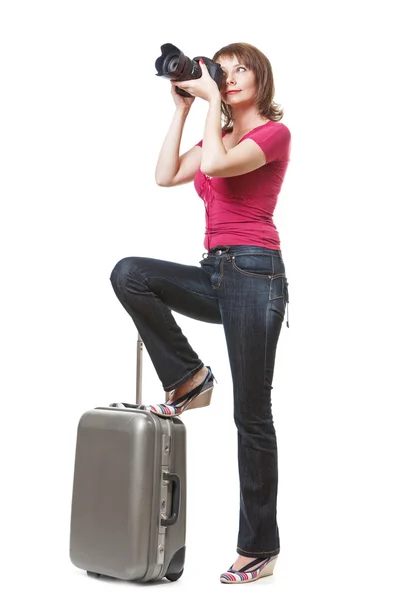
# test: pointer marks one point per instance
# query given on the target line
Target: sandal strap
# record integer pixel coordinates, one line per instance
(189, 395)
(251, 564)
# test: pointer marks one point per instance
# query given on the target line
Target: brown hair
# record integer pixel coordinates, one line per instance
(257, 62)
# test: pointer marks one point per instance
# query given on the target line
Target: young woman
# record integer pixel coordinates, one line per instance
(241, 282)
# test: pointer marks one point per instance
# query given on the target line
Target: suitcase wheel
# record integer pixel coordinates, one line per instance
(92, 574)
(174, 576)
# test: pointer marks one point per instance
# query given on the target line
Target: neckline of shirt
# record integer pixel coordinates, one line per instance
(251, 130)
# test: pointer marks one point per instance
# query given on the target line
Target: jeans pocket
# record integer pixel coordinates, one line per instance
(254, 265)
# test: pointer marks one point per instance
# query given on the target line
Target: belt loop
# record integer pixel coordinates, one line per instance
(220, 249)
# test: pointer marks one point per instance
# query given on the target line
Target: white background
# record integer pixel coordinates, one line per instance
(82, 120)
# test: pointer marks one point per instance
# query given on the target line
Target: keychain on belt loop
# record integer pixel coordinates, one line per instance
(287, 306)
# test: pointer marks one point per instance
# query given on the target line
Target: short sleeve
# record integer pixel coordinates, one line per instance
(274, 141)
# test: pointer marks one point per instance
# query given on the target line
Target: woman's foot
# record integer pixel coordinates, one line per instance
(188, 386)
(194, 393)
(242, 561)
(246, 569)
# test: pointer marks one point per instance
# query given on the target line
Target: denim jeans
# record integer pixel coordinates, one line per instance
(245, 289)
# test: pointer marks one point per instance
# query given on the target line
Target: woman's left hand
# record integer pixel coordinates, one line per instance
(205, 87)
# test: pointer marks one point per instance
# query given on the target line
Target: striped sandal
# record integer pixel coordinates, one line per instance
(265, 568)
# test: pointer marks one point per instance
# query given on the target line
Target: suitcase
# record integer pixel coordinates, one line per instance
(128, 513)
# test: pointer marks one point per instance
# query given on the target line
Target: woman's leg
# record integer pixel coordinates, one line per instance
(252, 296)
(149, 289)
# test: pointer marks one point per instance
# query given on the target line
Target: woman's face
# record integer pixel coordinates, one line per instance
(238, 79)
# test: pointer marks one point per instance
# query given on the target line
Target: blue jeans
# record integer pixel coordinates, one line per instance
(245, 289)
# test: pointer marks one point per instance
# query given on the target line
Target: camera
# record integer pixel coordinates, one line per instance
(174, 65)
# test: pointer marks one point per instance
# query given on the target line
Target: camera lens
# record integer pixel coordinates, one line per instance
(173, 64)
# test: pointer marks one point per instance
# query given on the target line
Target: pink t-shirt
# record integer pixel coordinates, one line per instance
(239, 210)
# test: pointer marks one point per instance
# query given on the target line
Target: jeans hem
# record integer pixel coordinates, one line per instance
(261, 554)
(183, 379)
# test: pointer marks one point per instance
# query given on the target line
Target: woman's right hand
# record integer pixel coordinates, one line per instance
(181, 101)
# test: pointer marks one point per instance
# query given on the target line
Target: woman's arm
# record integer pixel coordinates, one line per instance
(168, 159)
(218, 162)
(214, 152)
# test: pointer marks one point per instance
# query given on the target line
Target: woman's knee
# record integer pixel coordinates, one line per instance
(121, 272)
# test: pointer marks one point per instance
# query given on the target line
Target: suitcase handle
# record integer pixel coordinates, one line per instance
(139, 362)
(176, 498)
(139, 352)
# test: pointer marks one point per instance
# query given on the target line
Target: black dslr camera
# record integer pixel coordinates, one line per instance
(176, 66)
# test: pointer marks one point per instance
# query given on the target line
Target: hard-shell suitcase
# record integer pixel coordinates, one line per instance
(128, 514)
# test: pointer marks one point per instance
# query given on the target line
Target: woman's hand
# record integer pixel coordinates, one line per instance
(205, 87)
(180, 101)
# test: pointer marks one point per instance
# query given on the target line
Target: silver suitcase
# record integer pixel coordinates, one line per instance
(128, 514)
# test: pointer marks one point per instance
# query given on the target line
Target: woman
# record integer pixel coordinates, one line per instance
(241, 282)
